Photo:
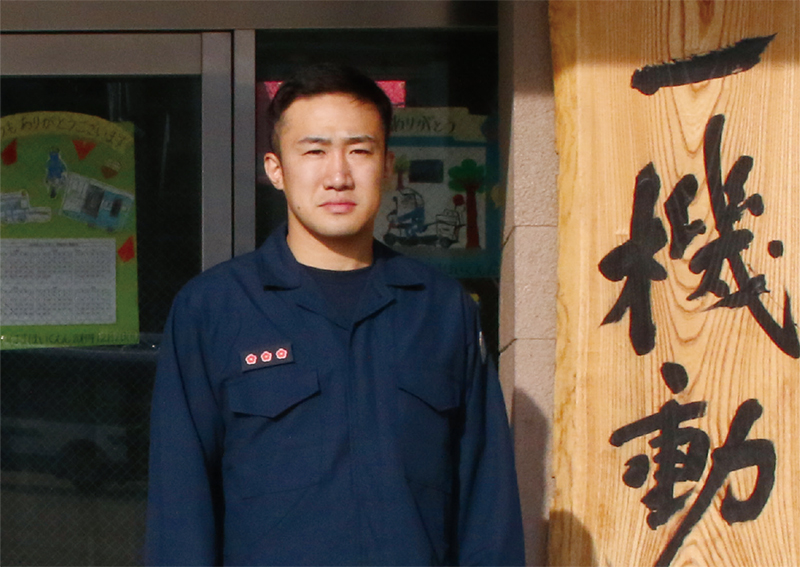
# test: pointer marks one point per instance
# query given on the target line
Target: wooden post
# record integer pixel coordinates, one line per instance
(677, 421)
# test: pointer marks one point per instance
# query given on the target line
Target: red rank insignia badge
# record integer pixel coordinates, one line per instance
(266, 355)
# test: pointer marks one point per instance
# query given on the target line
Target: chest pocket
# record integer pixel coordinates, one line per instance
(428, 405)
(274, 435)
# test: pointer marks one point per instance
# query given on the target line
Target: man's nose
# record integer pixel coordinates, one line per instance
(338, 175)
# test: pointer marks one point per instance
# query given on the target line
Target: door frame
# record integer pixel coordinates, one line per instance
(208, 54)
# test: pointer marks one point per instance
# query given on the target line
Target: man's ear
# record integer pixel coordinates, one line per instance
(273, 169)
(388, 165)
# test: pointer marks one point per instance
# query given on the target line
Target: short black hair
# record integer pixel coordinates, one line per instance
(327, 78)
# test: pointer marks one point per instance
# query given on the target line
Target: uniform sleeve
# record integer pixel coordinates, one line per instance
(184, 503)
(489, 517)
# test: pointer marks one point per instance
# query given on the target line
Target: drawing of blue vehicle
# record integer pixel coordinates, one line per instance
(408, 217)
(15, 208)
(95, 203)
(407, 226)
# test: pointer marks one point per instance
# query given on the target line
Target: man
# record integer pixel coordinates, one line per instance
(323, 400)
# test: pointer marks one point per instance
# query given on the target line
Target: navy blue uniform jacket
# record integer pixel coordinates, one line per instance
(382, 441)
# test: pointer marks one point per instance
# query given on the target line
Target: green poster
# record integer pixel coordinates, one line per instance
(68, 269)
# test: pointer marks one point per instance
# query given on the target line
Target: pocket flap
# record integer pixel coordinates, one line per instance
(434, 387)
(272, 391)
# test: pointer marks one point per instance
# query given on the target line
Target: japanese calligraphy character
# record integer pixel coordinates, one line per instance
(728, 203)
(673, 464)
(634, 262)
(736, 58)
(676, 465)
(677, 209)
(735, 454)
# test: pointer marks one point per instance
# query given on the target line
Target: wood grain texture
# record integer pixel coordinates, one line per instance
(606, 133)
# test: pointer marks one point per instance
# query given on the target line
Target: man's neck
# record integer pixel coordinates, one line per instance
(339, 254)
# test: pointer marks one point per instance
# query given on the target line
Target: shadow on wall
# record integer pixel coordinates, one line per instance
(570, 543)
(531, 436)
(569, 537)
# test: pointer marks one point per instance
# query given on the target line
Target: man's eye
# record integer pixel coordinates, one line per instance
(315, 152)
(362, 151)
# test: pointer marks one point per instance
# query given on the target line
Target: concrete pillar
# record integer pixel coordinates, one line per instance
(528, 282)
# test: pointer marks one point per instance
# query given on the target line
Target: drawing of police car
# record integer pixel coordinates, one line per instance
(95, 203)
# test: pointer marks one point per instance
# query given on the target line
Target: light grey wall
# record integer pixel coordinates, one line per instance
(528, 282)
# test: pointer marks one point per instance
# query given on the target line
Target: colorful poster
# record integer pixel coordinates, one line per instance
(443, 204)
(68, 268)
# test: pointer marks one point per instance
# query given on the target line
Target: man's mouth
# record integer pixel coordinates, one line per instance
(339, 207)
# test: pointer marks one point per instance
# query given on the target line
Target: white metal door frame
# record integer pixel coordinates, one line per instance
(206, 54)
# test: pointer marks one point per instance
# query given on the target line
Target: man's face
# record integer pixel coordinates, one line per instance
(331, 166)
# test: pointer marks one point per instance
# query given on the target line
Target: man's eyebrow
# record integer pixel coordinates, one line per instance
(366, 138)
(359, 139)
(314, 140)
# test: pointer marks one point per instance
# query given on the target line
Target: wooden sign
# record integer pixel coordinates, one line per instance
(677, 425)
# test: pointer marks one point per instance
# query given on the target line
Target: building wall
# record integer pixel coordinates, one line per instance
(130, 15)
(528, 280)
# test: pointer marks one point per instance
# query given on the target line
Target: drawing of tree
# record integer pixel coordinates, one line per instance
(468, 178)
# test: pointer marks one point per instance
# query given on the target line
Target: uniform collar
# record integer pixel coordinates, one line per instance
(278, 268)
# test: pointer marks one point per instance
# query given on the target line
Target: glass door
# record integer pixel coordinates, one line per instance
(116, 189)
(444, 203)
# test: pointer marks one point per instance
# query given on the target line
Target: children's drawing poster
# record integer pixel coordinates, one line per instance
(443, 203)
(68, 268)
